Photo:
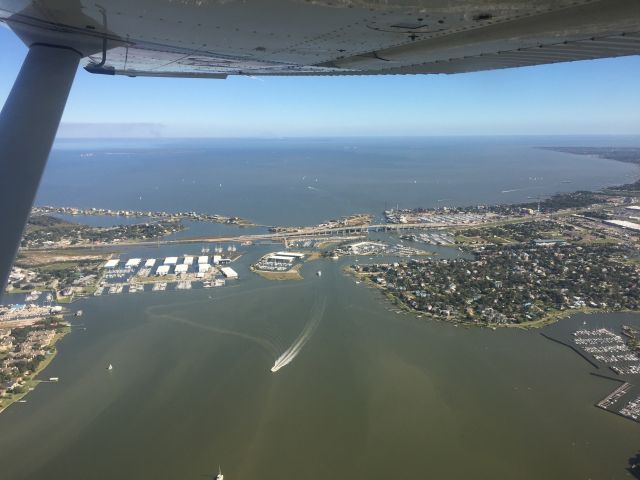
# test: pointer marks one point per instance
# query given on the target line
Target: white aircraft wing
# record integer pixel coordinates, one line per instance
(216, 38)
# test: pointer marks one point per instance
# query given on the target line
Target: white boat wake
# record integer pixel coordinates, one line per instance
(292, 352)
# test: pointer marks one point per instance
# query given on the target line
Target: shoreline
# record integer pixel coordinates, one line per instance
(32, 381)
(547, 320)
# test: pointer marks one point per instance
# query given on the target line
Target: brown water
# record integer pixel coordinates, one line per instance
(372, 394)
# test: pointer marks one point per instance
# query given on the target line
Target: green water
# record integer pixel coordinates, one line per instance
(372, 394)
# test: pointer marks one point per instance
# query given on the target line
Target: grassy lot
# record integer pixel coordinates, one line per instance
(597, 241)
(32, 258)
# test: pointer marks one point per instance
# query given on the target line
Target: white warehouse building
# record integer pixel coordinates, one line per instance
(182, 268)
(162, 270)
(229, 272)
(133, 262)
(279, 259)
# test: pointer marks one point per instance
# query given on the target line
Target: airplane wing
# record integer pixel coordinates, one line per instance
(216, 38)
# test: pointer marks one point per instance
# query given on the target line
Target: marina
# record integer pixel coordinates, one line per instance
(136, 275)
(611, 349)
(435, 237)
(608, 348)
(375, 248)
(279, 261)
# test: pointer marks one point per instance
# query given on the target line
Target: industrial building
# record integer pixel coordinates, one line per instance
(162, 270)
(132, 262)
(171, 260)
(280, 259)
(111, 263)
(624, 224)
(229, 272)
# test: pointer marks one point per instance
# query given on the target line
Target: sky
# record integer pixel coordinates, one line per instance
(577, 98)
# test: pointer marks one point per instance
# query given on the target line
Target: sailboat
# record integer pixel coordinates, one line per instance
(110, 367)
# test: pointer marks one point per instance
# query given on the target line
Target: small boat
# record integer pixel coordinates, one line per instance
(219, 476)
(110, 367)
(79, 313)
(319, 273)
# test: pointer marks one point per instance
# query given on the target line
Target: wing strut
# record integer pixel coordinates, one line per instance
(28, 124)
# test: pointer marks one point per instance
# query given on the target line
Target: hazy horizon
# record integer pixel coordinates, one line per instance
(65, 133)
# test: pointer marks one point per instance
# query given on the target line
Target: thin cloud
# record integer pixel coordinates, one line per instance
(111, 130)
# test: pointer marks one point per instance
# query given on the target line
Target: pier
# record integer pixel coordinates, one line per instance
(591, 362)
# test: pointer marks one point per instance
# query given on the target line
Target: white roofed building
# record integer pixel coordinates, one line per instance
(171, 260)
(624, 224)
(203, 267)
(279, 259)
(188, 260)
(203, 259)
(229, 272)
(112, 263)
(182, 268)
(150, 262)
(216, 259)
(162, 270)
(133, 262)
